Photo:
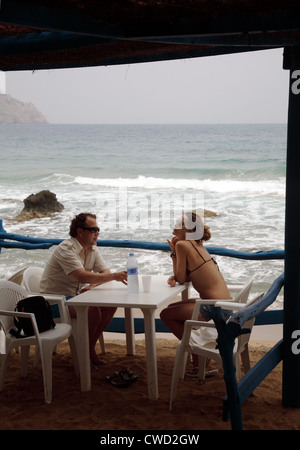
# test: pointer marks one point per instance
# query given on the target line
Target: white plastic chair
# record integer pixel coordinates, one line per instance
(31, 278)
(206, 336)
(10, 294)
(189, 346)
(242, 292)
(17, 277)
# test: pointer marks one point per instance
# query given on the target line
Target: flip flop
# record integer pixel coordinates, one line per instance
(123, 378)
(117, 381)
(127, 375)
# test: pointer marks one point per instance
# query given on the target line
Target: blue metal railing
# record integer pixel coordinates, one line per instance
(31, 243)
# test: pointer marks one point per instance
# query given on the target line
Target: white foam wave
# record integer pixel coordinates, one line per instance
(62, 178)
(268, 187)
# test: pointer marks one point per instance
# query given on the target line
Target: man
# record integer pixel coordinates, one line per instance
(75, 262)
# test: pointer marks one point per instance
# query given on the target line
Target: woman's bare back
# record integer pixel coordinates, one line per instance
(204, 273)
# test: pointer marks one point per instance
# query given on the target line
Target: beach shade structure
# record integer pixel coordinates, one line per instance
(10, 294)
(40, 34)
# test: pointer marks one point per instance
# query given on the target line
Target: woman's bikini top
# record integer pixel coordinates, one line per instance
(202, 264)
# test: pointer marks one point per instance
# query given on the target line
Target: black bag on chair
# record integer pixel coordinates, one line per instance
(41, 309)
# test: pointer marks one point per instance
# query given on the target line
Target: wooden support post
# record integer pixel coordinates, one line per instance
(225, 344)
(291, 325)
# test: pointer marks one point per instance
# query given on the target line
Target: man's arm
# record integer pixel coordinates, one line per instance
(95, 278)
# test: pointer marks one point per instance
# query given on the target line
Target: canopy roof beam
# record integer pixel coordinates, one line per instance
(133, 20)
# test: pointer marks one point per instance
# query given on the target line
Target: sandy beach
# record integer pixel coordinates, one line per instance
(105, 407)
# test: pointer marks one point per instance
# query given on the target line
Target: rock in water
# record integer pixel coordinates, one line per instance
(42, 204)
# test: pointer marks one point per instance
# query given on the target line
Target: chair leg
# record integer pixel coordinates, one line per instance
(37, 355)
(245, 359)
(237, 364)
(46, 359)
(180, 358)
(201, 368)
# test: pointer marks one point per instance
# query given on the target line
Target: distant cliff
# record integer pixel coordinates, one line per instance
(14, 111)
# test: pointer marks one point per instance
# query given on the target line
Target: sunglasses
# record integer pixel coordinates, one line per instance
(91, 229)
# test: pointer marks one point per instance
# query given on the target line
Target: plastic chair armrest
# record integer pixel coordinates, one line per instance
(30, 316)
(48, 297)
(198, 324)
(202, 301)
(232, 305)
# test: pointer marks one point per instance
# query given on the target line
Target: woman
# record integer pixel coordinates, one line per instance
(192, 262)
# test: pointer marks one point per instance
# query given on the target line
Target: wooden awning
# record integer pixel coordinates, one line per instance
(45, 34)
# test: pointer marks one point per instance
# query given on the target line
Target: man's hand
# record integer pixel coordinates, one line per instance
(121, 276)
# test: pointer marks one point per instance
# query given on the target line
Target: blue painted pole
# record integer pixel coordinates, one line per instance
(291, 319)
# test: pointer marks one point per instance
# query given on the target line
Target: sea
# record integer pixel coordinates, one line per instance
(138, 179)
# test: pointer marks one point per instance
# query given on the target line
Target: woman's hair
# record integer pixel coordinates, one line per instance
(79, 222)
(196, 228)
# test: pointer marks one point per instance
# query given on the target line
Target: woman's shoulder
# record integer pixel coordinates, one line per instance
(183, 245)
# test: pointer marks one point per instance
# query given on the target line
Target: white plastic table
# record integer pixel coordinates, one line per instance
(115, 294)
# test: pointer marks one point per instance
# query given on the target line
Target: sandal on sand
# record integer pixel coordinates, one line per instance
(123, 378)
(194, 373)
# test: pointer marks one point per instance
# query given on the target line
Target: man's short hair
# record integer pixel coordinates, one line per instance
(79, 222)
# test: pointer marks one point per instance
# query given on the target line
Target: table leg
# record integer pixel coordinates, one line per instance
(151, 362)
(185, 293)
(82, 343)
(129, 327)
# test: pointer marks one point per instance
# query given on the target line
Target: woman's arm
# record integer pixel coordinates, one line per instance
(178, 254)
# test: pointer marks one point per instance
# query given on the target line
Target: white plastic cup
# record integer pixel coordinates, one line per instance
(146, 283)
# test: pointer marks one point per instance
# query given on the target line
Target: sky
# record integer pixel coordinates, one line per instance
(242, 88)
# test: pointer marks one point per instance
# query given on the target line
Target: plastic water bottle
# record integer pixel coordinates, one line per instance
(132, 275)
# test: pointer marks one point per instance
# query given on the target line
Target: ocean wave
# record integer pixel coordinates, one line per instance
(62, 178)
(267, 187)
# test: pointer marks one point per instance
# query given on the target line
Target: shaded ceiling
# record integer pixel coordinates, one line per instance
(46, 34)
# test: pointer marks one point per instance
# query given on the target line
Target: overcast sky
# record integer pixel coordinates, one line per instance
(242, 88)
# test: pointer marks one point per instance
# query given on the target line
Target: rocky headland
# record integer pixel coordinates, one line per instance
(15, 111)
